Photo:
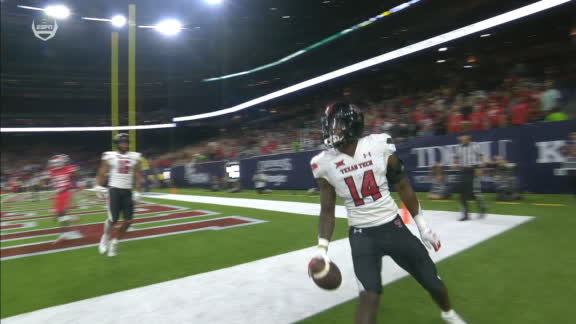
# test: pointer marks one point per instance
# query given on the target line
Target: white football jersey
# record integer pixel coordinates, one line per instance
(361, 180)
(121, 174)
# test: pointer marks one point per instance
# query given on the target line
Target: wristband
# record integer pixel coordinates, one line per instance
(419, 220)
(323, 243)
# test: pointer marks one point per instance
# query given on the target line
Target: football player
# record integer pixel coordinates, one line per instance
(63, 176)
(360, 170)
(124, 172)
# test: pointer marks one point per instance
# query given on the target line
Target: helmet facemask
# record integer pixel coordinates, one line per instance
(341, 124)
(122, 141)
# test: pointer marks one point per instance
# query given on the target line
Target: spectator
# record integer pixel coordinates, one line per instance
(550, 98)
(454, 121)
(439, 189)
(556, 115)
(505, 180)
(478, 118)
(495, 114)
(520, 112)
(260, 182)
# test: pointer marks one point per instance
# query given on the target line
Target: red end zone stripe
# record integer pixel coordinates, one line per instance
(7, 209)
(85, 229)
(12, 226)
(149, 209)
(94, 237)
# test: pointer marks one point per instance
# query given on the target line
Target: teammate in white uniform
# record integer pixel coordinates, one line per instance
(360, 170)
(124, 171)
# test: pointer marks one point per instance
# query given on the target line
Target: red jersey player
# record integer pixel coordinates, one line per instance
(62, 176)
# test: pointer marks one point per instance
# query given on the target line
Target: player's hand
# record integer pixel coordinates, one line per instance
(137, 196)
(321, 253)
(100, 191)
(430, 239)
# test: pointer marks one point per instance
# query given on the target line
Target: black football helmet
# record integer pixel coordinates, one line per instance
(342, 123)
(122, 138)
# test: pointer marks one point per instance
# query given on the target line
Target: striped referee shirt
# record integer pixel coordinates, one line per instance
(468, 155)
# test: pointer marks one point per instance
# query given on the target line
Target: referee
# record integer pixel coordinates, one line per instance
(469, 158)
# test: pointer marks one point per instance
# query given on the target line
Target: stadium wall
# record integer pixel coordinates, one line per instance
(535, 149)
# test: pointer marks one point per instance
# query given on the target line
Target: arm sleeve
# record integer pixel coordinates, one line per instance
(395, 173)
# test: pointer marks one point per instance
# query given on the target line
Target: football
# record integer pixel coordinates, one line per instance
(328, 278)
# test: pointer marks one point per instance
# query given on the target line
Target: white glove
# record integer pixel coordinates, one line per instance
(101, 191)
(320, 253)
(136, 196)
(430, 239)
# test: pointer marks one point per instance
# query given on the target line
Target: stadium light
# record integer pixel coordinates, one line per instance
(441, 61)
(95, 19)
(118, 21)
(442, 49)
(214, 2)
(57, 11)
(169, 27)
(422, 45)
(81, 129)
(30, 8)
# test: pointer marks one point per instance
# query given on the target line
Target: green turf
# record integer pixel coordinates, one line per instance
(52, 279)
(525, 275)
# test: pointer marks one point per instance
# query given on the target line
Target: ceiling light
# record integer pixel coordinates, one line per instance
(169, 27)
(57, 11)
(442, 49)
(285, 17)
(485, 35)
(440, 61)
(118, 21)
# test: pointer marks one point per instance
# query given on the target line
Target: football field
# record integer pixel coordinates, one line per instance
(200, 257)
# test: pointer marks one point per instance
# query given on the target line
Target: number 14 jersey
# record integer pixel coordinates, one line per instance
(360, 180)
(121, 174)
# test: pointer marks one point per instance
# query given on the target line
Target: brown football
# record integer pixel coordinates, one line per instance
(328, 280)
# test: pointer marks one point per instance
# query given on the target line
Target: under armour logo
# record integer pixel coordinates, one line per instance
(369, 154)
(339, 164)
(357, 231)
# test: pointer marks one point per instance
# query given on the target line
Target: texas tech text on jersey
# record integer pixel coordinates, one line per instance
(361, 180)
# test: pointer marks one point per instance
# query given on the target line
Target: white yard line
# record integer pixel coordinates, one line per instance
(272, 290)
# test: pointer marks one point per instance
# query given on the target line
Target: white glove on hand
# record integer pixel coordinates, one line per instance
(101, 192)
(136, 196)
(320, 253)
(430, 239)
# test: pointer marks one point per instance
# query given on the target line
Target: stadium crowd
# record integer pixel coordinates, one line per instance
(458, 105)
(448, 109)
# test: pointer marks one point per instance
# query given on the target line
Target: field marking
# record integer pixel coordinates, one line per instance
(265, 296)
(92, 238)
(137, 211)
(554, 205)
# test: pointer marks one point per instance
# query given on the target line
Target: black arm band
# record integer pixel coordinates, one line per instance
(395, 173)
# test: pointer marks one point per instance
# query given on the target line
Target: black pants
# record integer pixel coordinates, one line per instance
(120, 201)
(469, 192)
(369, 245)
